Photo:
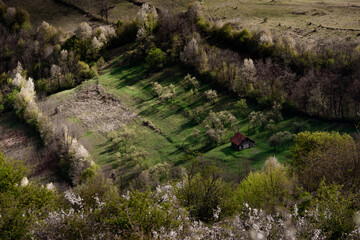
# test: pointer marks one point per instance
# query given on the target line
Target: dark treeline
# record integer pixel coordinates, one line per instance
(321, 81)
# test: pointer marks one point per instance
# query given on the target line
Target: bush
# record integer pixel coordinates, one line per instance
(156, 58)
(126, 32)
(332, 156)
(281, 138)
(191, 82)
(267, 189)
(333, 212)
(138, 215)
(203, 192)
(20, 204)
(300, 126)
(211, 95)
(84, 71)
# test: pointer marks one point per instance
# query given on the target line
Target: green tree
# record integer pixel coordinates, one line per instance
(156, 58)
(21, 203)
(204, 193)
(333, 212)
(267, 189)
(137, 215)
(332, 156)
(242, 106)
(274, 141)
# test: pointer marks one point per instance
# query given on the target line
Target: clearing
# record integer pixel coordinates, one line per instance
(170, 136)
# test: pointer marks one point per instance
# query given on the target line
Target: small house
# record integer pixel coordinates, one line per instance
(240, 142)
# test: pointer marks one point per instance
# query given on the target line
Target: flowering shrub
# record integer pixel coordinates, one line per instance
(147, 18)
(211, 95)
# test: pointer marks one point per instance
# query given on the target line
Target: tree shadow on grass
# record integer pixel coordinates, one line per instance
(150, 110)
(188, 124)
(229, 151)
(129, 75)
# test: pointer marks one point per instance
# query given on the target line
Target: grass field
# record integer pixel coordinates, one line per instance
(132, 85)
(300, 18)
(308, 20)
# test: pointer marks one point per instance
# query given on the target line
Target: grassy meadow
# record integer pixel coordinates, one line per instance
(132, 85)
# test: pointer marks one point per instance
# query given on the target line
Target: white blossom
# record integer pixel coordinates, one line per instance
(84, 31)
(19, 69)
(265, 37)
(10, 14)
(145, 13)
(64, 55)
(126, 196)
(217, 212)
(73, 199)
(108, 31)
(141, 33)
(96, 44)
(55, 71)
(48, 51)
(24, 182)
(18, 81)
(50, 186)
(30, 87)
(98, 202)
(191, 50)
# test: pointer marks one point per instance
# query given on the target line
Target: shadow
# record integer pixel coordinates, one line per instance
(153, 109)
(229, 151)
(189, 124)
(129, 75)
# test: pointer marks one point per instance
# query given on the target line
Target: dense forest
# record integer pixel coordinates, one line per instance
(267, 78)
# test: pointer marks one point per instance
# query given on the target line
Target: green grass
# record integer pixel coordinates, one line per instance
(132, 84)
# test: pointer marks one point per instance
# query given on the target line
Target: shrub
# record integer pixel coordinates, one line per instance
(242, 106)
(191, 82)
(126, 32)
(257, 119)
(280, 138)
(333, 212)
(156, 58)
(194, 55)
(203, 192)
(138, 215)
(84, 71)
(332, 156)
(20, 204)
(216, 124)
(300, 126)
(79, 159)
(211, 95)
(268, 188)
(274, 141)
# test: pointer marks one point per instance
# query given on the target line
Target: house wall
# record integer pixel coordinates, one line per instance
(234, 146)
(247, 144)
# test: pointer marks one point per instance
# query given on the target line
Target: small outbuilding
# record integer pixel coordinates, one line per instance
(240, 142)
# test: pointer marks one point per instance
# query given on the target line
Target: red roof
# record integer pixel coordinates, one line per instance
(238, 138)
